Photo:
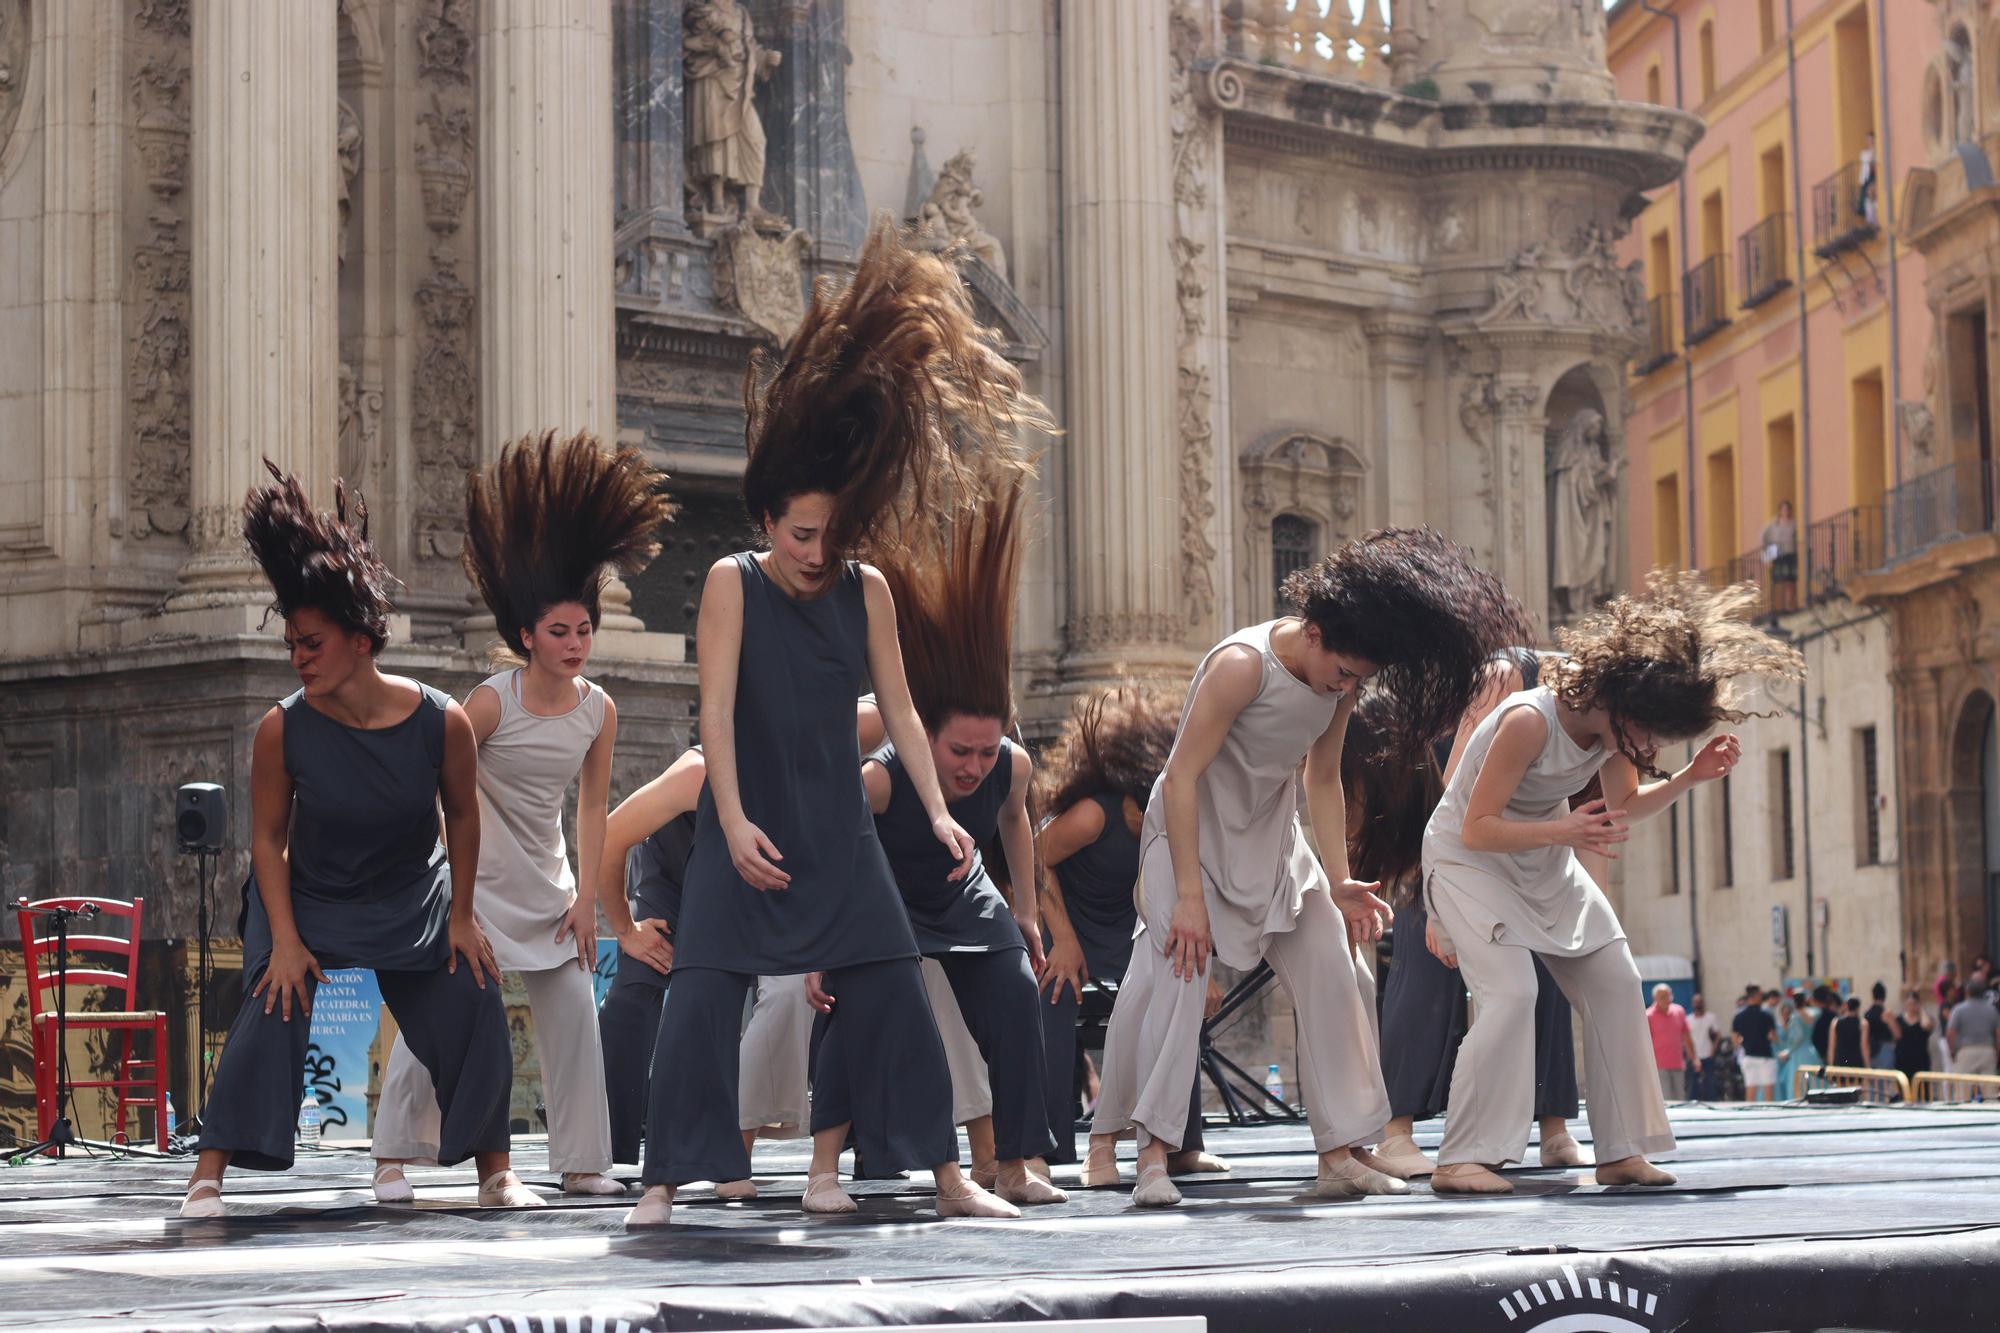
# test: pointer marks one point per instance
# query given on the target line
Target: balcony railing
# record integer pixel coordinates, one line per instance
(1763, 261)
(1332, 39)
(1659, 347)
(1844, 210)
(1954, 501)
(1837, 548)
(1705, 297)
(1777, 579)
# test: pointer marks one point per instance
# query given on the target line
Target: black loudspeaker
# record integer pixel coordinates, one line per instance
(201, 817)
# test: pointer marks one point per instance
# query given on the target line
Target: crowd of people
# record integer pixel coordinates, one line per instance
(1757, 1052)
(860, 910)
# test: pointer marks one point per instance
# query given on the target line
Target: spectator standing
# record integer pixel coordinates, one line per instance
(1947, 977)
(1913, 1037)
(1971, 1034)
(1704, 1029)
(1850, 1037)
(1781, 555)
(1795, 1048)
(1755, 1028)
(1829, 1009)
(1881, 1029)
(1673, 1047)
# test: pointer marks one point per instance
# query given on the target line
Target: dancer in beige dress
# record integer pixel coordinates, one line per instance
(1224, 864)
(1504, 884)
(541, 527)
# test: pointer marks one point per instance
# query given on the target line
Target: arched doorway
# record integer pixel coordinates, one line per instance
(1972, 850)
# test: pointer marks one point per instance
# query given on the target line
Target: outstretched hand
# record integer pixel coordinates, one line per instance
(1365, 911)
(1715, 759)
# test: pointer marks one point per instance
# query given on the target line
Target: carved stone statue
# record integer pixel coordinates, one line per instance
(725, 137)
(347, 147)
(1958, 60)
(947, 216)
(1583, 490)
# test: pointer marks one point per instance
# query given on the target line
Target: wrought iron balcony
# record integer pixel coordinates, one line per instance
(1844, 210)
(1763, 260)
(1837, 548)
(1705, 297)
(1659, 347)
(1954, 501)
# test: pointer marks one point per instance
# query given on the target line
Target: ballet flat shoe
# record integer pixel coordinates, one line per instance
(1030, 1191)
(736, 1189)
(1640, 1172)
(1479, 1180)
(1350, 1179)
(398, 1190)
(204, 1199)
(654, 1209)
(974, 1202)
(1194, 1162)
(984, 1176)
(1155, 1189)
(1402, 1158)
(593, 1183)
(1562, 1150)
(1100, 1169)
(824, 1195)
(503, 1190)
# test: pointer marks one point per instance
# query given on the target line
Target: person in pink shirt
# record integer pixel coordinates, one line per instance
(1673, 1048)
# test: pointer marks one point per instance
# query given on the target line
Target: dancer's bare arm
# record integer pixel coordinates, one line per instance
(1232, 680)
(718, 653)
(899, 716)
(1366, 913)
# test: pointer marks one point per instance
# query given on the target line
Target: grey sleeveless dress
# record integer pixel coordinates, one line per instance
(948, 915)
(1097, 881)
(798, 771)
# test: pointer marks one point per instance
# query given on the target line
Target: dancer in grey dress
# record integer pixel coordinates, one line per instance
(543, 524)
(1225, 866)
(347, 870)
(1504, 884)
(882, 386)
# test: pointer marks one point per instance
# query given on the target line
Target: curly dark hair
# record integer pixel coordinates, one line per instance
(1414, 604)
(543, 522)
(886, 384)
(1669, 663)
(1116, 740)
(1394, 792)
(319, 559)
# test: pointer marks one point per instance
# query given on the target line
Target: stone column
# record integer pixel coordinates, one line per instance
(1521, 511)
(546, 188)
(1400, 351)
(265, 334)
(1125, 605)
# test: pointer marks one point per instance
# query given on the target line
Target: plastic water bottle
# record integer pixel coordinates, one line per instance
(309, 1120)
(170, 1119)
(1274, 1084)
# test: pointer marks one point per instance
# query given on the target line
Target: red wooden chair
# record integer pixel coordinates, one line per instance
(112, 962)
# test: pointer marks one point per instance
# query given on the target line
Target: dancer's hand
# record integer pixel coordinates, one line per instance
(285, 976)
(1366, 913)
(1715, 759)
(469, 940)
(816, 993)
(1439, 944)
(1188, 940)
(580, 923)
(1213, 1000)
(1592, 827)
(956, 841)
(1064, 964)
(1030, 927)
(647, 941)
(755, 857)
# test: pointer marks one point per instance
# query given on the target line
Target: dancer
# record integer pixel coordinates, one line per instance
(1225, 866)
(347, 775)
(787, 875)
(1503, 883)
(646, 845)
(542, 525)
(1424, 1018)
(1095, 780)
(955, 609)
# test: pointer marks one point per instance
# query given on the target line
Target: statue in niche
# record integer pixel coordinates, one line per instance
(347, 148)
(725, 137)
(1958, 61)
(946, 218)
(1583, 488)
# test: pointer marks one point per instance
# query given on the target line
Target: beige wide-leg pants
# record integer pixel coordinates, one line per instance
(777, 1045)
(565, 1008)
(971, 1094)
(1493, 1084)
(1152, 1044)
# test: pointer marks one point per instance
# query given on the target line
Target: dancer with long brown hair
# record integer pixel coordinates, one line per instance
(1504, 884)
(955, 611)
(1093, 783)
(787, 874)
(543, 525)
(347, 776)
(1225, 867)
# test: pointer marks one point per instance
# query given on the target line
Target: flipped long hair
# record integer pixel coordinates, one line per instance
(543, 523)
(1391, 795)
(889, 384)
(1116, 740)
(317, 558)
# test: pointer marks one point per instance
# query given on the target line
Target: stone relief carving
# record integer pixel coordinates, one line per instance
(1451, 229)
(1601, 291)
(1919, 427)
(946, 218)
(13, 64)
(1517, 404)
(1477, 402)
(762, 278)
(347, 151)
(1194, 170)
(1583, 491)
(725, 151)
(444, 41)
(158, 382)
(360, 417)
(444, 387)
(1517, 288)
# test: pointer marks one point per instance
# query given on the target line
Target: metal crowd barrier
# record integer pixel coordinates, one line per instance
(1958, 1088)
(1877, 1085)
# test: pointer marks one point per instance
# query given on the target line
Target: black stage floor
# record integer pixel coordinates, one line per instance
(1785, 1218)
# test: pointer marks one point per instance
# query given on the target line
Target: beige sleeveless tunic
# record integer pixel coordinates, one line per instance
(525, 768)
(1540, 899)
(1256, 865)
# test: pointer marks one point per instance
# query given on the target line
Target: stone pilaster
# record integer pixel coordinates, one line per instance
(265, 335)
(546, 190)
(1521, 557)
(1125, 603)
